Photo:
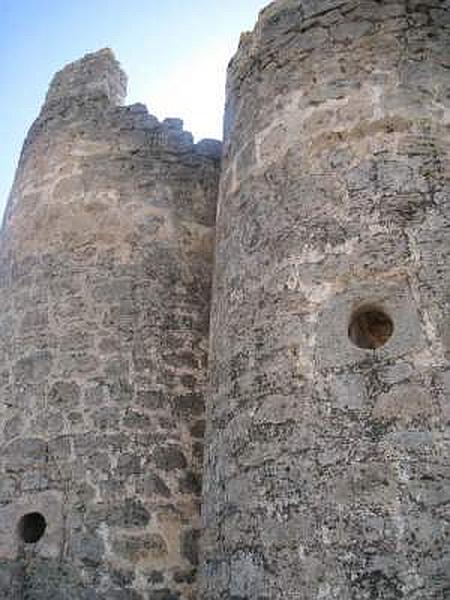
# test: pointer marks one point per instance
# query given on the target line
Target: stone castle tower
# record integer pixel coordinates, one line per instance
(106, 262)
(322, 357)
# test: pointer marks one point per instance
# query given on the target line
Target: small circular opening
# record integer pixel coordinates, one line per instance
(370, 328)
(32, 527)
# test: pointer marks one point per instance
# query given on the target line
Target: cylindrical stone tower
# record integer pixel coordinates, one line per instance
(327, 468)
(106, 262)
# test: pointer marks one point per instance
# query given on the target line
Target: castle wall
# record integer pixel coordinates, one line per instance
(327, 472)
(105, 269)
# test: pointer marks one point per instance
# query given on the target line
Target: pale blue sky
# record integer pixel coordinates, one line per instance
(175, 53)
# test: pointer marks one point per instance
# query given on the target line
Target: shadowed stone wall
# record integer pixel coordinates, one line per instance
(327, 464)
(105, 268)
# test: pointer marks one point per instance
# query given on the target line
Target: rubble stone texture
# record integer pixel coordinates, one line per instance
(326, 472)
(106, 260)
(327, 469)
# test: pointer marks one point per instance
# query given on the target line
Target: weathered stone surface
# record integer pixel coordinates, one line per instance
(189, 545)
(324, 459)
(106, 262)
(326, 473)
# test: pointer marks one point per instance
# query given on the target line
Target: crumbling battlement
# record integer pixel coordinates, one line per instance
(95, 76)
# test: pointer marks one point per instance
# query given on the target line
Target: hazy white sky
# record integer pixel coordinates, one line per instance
(193, 89)
(175, 53)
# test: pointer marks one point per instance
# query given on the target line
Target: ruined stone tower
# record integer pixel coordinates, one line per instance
(106, 260)
(326, 471)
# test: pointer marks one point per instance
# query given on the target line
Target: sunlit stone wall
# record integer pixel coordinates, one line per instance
(327, 441)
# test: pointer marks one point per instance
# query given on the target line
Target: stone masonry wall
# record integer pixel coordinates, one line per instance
(327, 471)
(105, 269)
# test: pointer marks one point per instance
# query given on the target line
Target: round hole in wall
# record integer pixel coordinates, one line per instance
(32, 527)
(370, 328)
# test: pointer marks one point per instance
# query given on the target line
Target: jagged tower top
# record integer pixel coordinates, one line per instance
(95, 76)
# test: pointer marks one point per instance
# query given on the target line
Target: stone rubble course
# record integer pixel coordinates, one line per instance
(316, 373)
(105, 274)
(327, 463)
